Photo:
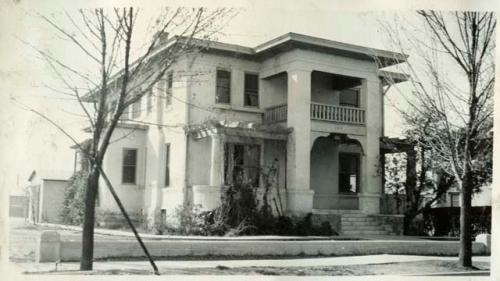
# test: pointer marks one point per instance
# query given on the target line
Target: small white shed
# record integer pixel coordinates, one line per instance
(46, 195)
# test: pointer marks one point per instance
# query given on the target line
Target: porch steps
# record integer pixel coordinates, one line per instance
(357, 223)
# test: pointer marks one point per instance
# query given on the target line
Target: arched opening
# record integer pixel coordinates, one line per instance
(336, 169)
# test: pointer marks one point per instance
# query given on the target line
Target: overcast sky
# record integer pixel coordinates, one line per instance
(34, 144)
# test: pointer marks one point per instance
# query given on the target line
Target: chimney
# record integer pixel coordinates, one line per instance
(162, 38)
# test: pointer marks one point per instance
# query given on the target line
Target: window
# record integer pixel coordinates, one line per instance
(170, 82)
(125, 113)
(241, 164)
(136, 109)
(349, 97)
(167, 164)
(129, 165)
(455, 199)
(251, 90)
(223, 91)
(348, 172)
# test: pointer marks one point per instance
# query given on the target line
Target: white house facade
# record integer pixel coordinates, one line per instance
(312, 108)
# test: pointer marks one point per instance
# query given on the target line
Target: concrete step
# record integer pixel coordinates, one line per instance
(374, 223)
(362, 228)
(334, 212)
(364, 232)
(356, 215)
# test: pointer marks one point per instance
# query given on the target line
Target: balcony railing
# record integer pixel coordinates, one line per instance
(277, 113)
(319, 111)
(335, 113)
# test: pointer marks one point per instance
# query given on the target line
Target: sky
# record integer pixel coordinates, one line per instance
(35, 144)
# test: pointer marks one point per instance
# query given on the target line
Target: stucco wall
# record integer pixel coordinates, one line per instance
(131, 195)
(199, 161)
(202, 89)
(274, 90)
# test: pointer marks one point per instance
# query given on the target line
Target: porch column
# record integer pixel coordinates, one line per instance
(216, 158)
(371, 178)
(300, 196)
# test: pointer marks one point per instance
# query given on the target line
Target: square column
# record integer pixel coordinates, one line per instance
(372, 179)
(299, 194)
(216, 161)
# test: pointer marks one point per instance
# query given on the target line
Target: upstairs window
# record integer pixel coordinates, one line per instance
(129, 165)
(348, 172)
(349, 97)
(223, 88)
(168, 92)
(251, 90)
(241, 164)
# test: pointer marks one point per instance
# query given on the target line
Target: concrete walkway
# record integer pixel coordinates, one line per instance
(288, 262)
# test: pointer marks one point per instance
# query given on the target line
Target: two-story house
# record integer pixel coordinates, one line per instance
(310, 106)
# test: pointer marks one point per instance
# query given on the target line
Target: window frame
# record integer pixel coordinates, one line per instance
(217, 85)
(135, 165)
(358, 98)
(256, 89)
(166, 178)
(358, 172)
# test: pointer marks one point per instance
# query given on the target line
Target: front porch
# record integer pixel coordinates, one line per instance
(336, 177)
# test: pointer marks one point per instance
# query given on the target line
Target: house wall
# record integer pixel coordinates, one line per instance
(202, 89)
(199, 161)
(274, 90)
(131, 195)
(194, 92)
(321, 89)
(51, 200)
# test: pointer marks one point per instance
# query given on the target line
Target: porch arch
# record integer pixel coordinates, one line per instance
(325, 176)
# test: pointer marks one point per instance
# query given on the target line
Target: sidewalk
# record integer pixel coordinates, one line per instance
(191, 264)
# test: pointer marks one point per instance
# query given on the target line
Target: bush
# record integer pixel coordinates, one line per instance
(190, 221)
(446, 221)
(74, 195)
(241, 214)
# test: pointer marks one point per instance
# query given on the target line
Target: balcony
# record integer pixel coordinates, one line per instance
(319, 111)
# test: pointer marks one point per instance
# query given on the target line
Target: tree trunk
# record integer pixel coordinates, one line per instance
(89, 220)
(465, 256)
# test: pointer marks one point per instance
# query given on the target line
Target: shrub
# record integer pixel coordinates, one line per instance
(446, 221)
(74, 195)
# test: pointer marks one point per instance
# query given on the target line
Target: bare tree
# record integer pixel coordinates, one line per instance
(123, 69)
(452, 87)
